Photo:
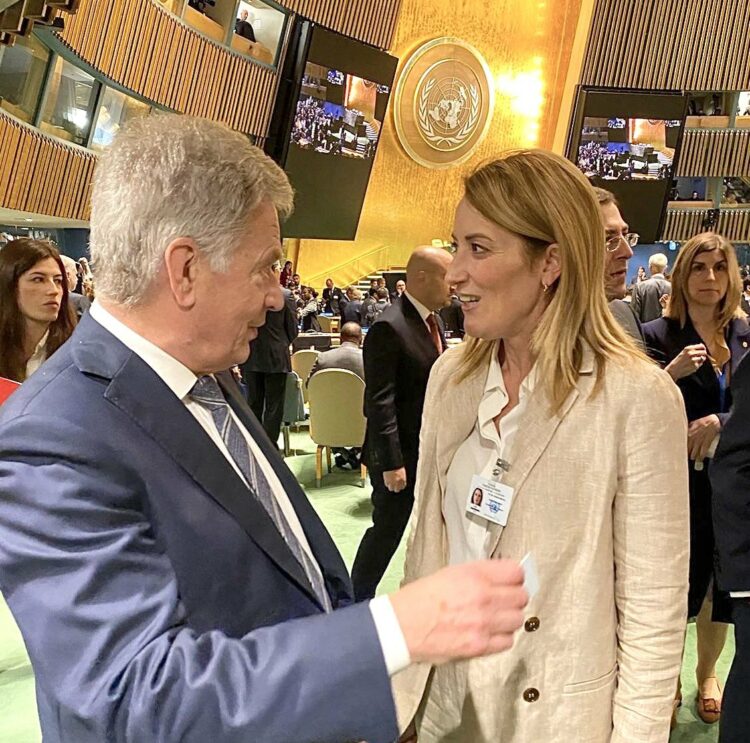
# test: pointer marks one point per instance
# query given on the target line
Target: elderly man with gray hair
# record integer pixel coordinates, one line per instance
(648, 296)
(169, 576)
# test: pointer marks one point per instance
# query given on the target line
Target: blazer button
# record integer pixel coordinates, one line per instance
(532, 624)
(531, 695)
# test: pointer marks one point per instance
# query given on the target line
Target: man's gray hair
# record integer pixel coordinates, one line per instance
(168, 176)
(658, 261)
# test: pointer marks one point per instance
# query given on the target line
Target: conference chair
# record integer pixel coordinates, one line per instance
(336, 415)
(302, 363)
(7, 387)
(294, 407)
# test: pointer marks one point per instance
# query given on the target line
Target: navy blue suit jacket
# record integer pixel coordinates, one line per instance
(157, 599)
(730, 480)
(665, 339)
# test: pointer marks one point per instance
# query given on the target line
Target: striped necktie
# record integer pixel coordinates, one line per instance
(206, 392)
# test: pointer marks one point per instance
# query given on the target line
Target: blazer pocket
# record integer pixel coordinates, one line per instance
(583, 687)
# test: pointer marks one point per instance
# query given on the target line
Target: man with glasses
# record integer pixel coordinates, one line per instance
(619, 243)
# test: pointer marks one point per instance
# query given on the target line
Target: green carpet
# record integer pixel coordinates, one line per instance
(345, 509)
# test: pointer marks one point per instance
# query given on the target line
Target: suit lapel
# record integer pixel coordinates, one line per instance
(323, 548)
(138, 391)
(739, 342)
(419, 329)
(532, 438)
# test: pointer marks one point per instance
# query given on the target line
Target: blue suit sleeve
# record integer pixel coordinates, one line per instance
(99, 606)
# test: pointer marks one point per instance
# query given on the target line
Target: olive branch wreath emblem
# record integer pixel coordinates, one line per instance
(428, 131)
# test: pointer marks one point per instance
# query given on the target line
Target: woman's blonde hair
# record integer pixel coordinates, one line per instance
(729, 307)
(544, 199)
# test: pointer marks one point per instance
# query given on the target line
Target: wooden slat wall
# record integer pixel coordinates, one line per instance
(682, 224)
(715, 154)
(146, 49)
(669, 44)
(371, 21)
(43, 175)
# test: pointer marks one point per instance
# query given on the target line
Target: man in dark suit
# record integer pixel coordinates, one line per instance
(400, 289)
(79, 302)
(730, 483)
(242, 27)
(331, 298)
(399, 351)
(647, 296)
(619, 244)
(352, 310)
(452, 316)
(266, 370)
(170, 578)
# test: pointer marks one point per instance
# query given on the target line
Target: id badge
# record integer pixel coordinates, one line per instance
(489, 499)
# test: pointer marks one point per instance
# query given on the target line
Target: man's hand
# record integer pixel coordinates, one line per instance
(701, 434)
(462, 611)
(395, 480)
(687, 361)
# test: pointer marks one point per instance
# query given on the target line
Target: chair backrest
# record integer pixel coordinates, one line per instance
(336, 401)
(294, 401)
(313, 341)
(7, 387)
(302, 362)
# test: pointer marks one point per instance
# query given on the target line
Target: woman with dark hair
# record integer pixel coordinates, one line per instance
(286, 274)
(35, 315)
(700, 341)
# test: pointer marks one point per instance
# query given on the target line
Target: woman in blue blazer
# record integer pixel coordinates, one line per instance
(700, 340)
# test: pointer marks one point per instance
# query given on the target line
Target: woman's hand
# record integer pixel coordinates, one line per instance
(701, 434)
(687, 361)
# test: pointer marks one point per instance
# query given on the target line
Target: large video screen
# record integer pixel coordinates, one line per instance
(334, 134)
(627, 143)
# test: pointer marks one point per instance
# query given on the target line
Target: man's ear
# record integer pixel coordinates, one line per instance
(551, 265)
(181, 261)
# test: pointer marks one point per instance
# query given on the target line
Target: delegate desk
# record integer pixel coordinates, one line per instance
(316, 341)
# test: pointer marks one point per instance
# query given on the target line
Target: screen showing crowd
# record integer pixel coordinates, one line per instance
(338, 113)
(627, 149)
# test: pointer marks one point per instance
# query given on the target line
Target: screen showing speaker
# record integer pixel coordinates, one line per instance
(334, 132)
(628, 142)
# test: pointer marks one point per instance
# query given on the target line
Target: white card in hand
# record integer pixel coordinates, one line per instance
(531, 577)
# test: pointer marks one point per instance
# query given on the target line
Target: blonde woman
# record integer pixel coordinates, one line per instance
(700, 340)
(544, 409)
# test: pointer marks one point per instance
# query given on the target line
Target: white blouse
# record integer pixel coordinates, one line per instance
(38, 357)
(467, 533)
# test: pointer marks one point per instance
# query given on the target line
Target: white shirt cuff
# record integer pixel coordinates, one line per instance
(740, 594)
(392, 642)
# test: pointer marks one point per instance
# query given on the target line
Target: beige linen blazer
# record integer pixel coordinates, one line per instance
(601, 500)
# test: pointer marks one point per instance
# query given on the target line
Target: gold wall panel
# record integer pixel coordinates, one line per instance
(715, 153)
(670, 44)
(142, 46)
(682, 224)
(371, 21)
(43, 175)
(527, 45)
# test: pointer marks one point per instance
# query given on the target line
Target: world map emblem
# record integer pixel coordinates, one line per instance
(444, 103)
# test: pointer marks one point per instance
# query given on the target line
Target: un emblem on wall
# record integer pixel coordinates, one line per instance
(444, 103)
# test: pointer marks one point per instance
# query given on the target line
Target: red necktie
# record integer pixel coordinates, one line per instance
(435, 333)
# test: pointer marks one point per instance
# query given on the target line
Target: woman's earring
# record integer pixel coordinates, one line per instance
(545, 287)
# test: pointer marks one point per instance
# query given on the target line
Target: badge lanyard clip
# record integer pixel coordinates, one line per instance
(501, 466)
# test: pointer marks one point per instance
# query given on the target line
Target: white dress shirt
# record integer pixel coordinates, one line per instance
(38, 357)
(424, 313)
(468, 533)
(180, 380)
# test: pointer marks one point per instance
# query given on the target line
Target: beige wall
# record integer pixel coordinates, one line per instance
(527, 45)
